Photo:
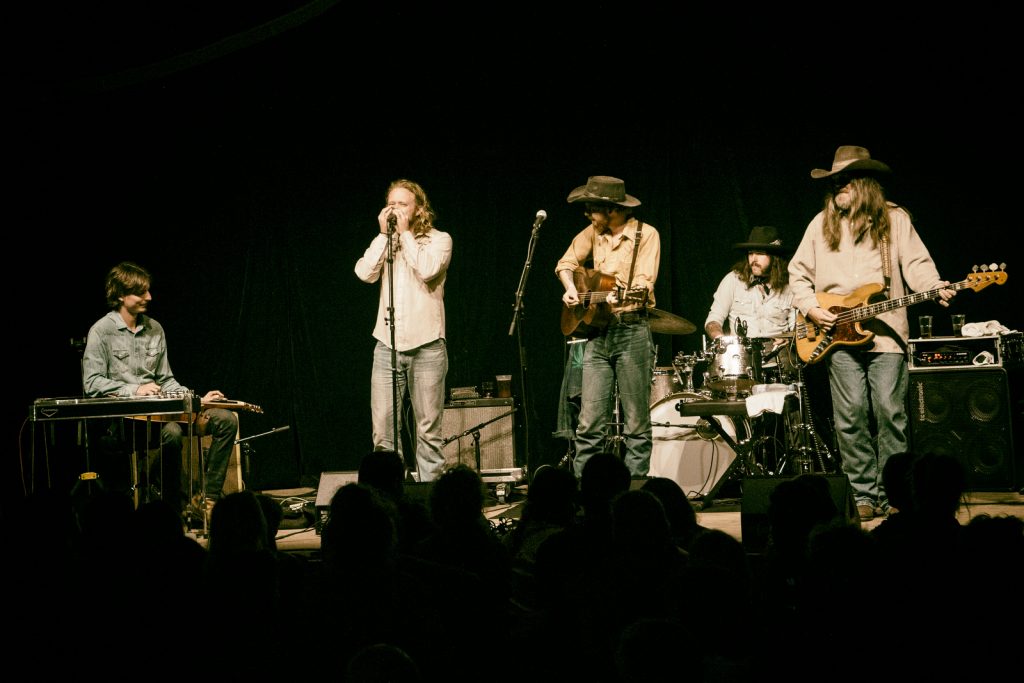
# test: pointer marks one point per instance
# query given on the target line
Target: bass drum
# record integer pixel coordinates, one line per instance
(688, 450)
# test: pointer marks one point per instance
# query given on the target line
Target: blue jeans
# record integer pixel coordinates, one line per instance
(623, 354)
(866, 385)
(222, 426)
(421, 373)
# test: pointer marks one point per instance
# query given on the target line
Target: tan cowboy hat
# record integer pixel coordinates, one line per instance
(602, 189)
(764, 238)
(852, 159)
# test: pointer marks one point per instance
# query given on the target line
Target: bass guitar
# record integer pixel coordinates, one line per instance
(813, 344)
(593, 312)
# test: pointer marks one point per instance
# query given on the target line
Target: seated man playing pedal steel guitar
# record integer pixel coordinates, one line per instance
(126, 355)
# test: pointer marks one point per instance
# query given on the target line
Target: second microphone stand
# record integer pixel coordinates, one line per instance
(396, 435)
(517, 311)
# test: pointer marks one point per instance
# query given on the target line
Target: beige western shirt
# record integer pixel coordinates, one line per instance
(613, 255)
(814, 268)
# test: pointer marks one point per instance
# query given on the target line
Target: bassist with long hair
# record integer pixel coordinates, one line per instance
(860, 238)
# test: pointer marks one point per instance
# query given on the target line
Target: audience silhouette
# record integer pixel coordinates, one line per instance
(602, 580)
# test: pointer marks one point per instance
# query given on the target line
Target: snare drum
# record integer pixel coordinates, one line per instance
(665, 382)
(735, 365)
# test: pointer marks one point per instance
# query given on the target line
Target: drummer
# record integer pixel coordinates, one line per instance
(754, 298)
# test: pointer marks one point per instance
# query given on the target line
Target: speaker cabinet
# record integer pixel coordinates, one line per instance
(329, 484)
(974, 415)
(492, 419)
(755, 527)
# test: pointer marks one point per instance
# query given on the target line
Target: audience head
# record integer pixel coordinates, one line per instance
(938, 483)
(795, 507)
(682, 518)
(237, 525)
(385, 471)
(604, 476)
(896, 480)
(457, 497)
(552, 496)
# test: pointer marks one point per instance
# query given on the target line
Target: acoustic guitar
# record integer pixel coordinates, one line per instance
(813, 344)
(593, 313)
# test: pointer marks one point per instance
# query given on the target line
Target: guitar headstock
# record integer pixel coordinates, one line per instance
(635, 295)
(985, 275)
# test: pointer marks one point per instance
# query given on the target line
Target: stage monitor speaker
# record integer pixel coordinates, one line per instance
(330, 482)
(974, 415)
(494, 420)
(755, 527)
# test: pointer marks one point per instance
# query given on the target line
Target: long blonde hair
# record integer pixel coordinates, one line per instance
(423, 220)
(868, 215)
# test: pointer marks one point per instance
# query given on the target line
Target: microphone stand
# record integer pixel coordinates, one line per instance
(246, 450)
(517, 313)
(395, 435)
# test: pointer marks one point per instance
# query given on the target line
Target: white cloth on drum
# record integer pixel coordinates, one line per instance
(768, 398)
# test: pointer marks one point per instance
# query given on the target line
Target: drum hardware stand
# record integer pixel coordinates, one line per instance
(614, 440)
(810, 454)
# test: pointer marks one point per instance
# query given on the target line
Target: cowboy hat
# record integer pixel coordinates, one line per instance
(852, 159)
(764, 238)
(604, 190)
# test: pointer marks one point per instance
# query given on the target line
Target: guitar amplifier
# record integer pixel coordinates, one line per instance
(488, 423)
(943, 353)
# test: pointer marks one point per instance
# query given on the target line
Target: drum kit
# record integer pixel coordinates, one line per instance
(731, 369)
(701, 454)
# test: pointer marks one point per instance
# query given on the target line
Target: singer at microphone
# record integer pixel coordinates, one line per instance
(541, 217)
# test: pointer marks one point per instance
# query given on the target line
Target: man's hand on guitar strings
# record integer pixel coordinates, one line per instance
(822, 318)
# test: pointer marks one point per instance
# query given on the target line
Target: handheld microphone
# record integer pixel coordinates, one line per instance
(541, 217)
(392, 220)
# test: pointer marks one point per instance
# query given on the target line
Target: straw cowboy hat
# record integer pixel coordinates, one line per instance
(602, 189)
(852, 160)
(764, 238)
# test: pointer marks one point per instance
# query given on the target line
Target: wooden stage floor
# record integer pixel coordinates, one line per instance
(724, 514)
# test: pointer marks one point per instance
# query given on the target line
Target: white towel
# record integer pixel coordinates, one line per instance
(771, 400)
(983, 329)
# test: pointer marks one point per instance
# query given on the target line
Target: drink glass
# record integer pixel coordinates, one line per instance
(958, 320)
(925, 323)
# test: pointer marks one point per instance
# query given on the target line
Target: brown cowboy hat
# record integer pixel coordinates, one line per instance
(851, 159)
(764, 238)
(602, 189)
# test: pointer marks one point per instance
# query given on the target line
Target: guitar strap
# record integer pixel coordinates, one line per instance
(636, 250)
(883, 246)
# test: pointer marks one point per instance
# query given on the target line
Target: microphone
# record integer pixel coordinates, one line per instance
(541, 217)
(392, 220)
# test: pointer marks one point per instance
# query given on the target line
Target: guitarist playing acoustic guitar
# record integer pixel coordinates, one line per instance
(612, 302)
(857, 239)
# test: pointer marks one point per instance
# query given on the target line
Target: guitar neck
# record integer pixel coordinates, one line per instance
(871, 310)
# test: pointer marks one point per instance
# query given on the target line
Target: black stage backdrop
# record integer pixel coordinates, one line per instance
(245, 169)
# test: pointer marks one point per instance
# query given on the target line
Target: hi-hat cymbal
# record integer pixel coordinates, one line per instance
(663, 322)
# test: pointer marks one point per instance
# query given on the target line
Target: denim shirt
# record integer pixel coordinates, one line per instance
(117, 361)
(765, 316)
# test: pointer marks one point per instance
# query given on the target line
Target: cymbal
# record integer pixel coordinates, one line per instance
(663, 322)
